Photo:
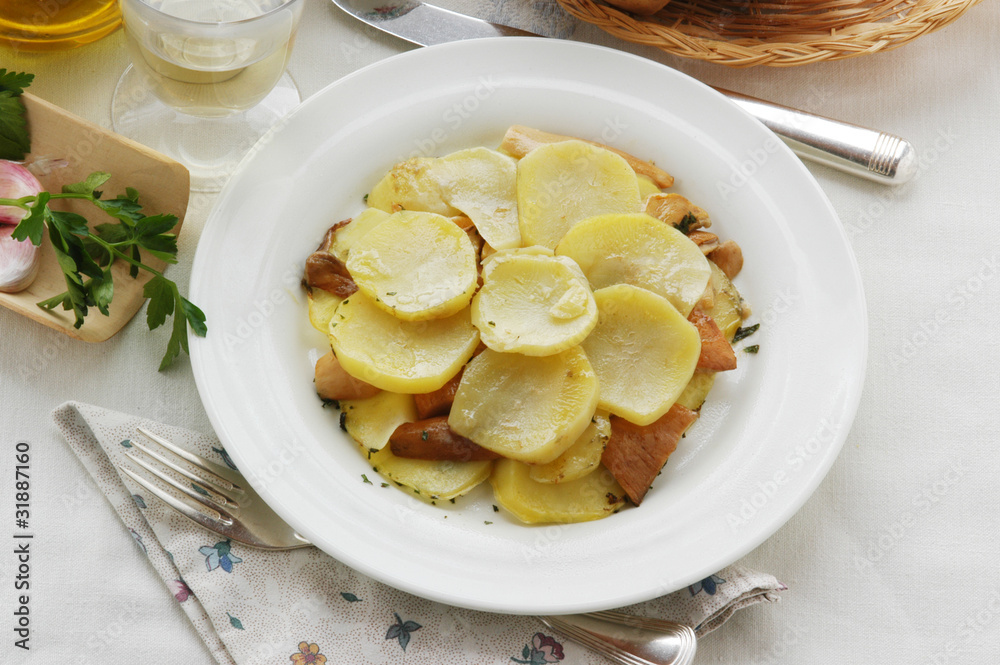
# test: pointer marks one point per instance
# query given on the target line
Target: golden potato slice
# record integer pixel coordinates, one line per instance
(583, 457)
(322, 305)
(696, 390)
(533, 304)
(416, 266)
(643, 352)
(560, 184)
(727, 305)
(346, 236)
(429, 480)
(488, 259)
(482, 183)
(525, 408)
(591, 497)
(642, 251)
(396, 355)
(371, 421)
(647, 187)
(412, 185)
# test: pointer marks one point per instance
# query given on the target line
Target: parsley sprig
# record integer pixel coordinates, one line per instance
(86, 255)
(14, 140)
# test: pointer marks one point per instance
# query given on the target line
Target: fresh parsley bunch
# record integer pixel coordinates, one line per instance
(86, 255)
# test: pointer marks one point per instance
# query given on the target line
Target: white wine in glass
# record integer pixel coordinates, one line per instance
(207, 78)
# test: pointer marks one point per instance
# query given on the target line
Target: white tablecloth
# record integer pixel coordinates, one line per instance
(893, 560)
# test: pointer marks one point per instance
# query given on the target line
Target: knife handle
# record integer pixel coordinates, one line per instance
(857, 150)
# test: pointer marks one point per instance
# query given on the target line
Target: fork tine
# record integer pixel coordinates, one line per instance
(207, 477)
(204, 515)
(195, 492)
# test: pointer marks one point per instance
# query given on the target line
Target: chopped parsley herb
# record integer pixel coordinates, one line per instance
(492, 323)
(390, 293)
(752, 349)
(495, 508)
(423, 435)
(385, 484)
(743, 333)
(330, 402)
(685, 224)
(365, 479)
(487, 522)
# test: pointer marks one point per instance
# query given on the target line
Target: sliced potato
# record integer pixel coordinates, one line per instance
(643, 352)
(431, 481)
(416, 266)
(591, 497)
(372, 420)
(482, 183)
(642, 251)
(533, 304)
(347, 235)
(560, 184)
(322, 305)
(727, 305)
(525, 408)
(696, 390)
(396, 355)
(534, 250)
(647, 187)
(583, 457)
(412, 185)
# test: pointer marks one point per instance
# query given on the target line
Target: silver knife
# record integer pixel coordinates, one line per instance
(856, 150)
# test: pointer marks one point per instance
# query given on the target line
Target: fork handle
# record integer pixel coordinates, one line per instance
(857, 150)
(626, 639)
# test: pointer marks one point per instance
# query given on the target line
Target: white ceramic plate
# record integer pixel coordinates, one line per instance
(767, 435)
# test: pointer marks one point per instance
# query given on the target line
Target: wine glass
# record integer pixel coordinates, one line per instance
(207, 79)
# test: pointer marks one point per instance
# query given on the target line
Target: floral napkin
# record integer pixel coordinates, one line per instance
(253, 606)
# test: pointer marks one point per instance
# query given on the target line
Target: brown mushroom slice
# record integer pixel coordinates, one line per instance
(333, 381)
(675, 209)
(433, 439)
(716, 351)
(325, 271)
(520, 140)
(635, 454)
(707, 242)
(438, 402)
(729, 257)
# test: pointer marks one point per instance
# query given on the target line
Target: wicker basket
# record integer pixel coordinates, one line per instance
(782, 33)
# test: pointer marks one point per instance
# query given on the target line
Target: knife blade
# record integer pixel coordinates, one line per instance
(857, 150)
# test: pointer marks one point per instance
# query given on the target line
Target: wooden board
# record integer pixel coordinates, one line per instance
(77, 148)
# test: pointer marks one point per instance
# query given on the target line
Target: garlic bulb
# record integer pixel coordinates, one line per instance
(15, 182)
(18, 259)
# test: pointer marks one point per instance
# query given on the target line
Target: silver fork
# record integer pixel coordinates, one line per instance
(219, 499)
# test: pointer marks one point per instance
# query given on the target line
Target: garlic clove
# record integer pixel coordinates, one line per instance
(18, 261)
(15, 182)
